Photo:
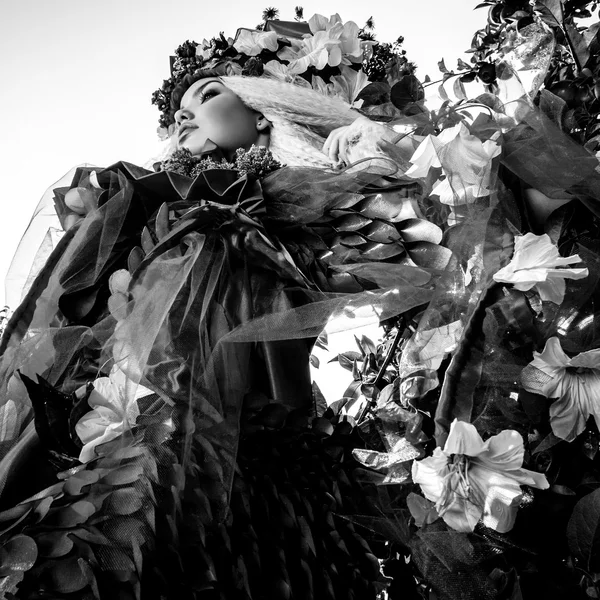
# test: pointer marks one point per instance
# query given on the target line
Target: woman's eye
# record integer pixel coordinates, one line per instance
(208, 94)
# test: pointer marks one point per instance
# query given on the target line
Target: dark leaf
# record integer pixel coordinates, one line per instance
(582, 529)
(74, 484)
(375, 94)
(66, 576)
(322, 341)
(346, 359)
(351, 222)
(323, 426)
(123, 475)
(366, 345)
(319, 402)
(406, 91)
(376, 251)
(380, 231)
(442, 66)
(91, 535)
(562, 490)
(123, 502)
(314, 361)
(578, 45)
(422, 510)
(51, 409)
(43, 506)
(73, 515)
(18, 554)
(54, 544)
(135, 258)
(548, 442)
(551, 11)
(468, 77)
(429, 255)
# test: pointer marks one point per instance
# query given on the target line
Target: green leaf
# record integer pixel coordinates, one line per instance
(583, 530)
(442, 66)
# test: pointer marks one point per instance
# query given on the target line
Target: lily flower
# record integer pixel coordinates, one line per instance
(332, 43)
(465, 160)
(574, 382)
(318, 51)
(114, 411)
(535, 264)
(253, 43)
(471, 479)
(351, 45)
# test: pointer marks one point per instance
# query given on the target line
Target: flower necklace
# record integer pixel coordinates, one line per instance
(257, 162)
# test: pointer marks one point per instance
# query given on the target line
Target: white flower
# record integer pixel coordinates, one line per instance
(465, 160)
(471, 479)
(318, 51)
(118, 285)
(205, 49)
(253, 43)
(535, 263)
(574, 382)
(114, 411)
(346, 86)
(347, 34)
(333, 43)
(278, 70)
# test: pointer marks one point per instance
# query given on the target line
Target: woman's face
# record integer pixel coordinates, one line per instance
(211, 111)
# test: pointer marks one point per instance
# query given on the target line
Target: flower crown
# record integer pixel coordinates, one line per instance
(332, 57)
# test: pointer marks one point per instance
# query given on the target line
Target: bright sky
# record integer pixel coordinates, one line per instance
(77, 76)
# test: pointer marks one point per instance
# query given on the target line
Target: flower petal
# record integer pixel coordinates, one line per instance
(505, 451)
(463, 439)
(429, 473)
(502, 496)
(462, 514)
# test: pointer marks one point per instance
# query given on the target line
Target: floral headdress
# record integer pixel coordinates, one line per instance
(332, 57)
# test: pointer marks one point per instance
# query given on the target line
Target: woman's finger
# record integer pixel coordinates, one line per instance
(332, 144)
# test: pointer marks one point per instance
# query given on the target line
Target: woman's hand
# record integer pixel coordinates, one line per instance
(341, 145)
(362, 140)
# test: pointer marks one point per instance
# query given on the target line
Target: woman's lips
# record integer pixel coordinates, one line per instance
(184, 131)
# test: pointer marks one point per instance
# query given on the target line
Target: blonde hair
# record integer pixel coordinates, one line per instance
(301, 118)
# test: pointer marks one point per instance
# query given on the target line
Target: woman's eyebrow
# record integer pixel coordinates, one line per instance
(198, 90)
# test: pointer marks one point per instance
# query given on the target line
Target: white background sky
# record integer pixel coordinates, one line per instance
(76, 76)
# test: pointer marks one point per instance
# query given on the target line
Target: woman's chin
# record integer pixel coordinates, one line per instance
(196, 147)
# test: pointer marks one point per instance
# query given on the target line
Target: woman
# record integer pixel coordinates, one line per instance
(176, 371)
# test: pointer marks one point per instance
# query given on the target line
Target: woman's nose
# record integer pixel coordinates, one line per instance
(183, 114)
